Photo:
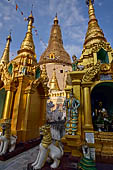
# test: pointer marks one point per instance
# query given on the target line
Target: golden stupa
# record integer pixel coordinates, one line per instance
(92, 82)
(55, 51)
(55, 56)
(23, 89)
(54, 83)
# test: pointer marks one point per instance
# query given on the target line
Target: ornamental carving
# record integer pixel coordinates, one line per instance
(6, 77)
(105, 67)
(91, 72)
(102, 44)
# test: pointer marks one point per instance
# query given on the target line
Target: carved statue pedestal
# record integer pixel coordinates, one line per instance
(72, 144)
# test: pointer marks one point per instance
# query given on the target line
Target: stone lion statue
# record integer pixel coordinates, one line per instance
(47, 150)
(7, 141)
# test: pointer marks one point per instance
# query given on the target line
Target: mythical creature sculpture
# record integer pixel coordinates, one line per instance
(8, 141)
(47, 150)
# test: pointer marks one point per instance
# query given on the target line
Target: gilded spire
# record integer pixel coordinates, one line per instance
(94, 33)
(5, 56)
(54, 83)
(91, 10)
(28, 43)
(55, 52)
(56, 20)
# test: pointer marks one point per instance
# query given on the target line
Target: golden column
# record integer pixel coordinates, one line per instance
(9, 100)
(28, 92)
(88, 126)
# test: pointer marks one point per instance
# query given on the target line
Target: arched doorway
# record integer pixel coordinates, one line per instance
(102, 55)
(102, 106)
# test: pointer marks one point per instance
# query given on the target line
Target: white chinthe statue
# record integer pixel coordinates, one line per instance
(47, 150)
(7, 141)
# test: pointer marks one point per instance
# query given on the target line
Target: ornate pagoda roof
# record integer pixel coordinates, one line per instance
(55, 52)
(94, 33)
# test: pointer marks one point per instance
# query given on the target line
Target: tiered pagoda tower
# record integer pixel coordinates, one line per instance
(55, 56)
(93, 85)
(94, 41)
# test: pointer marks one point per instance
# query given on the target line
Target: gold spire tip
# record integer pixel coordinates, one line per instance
(9, 37)
(56, 20)
(56, 14)
(89, 2)
(31, 17)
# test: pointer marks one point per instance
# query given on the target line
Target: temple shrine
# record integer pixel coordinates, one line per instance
(23, 89)
(84, 88)
(92, 84)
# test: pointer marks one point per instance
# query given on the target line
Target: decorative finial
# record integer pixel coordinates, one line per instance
(56, 20)
(91, 10)
(9, 37)
(89, 1)
(31, 17)
(32, 7)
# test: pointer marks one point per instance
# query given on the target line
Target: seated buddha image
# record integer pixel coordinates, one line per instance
(103, 120)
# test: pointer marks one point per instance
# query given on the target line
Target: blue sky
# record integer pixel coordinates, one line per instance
(73, 19)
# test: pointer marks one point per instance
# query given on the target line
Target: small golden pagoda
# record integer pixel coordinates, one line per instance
(56, 57)
(93, 87)
(56, 95)
(23, 89)
(54, 83)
